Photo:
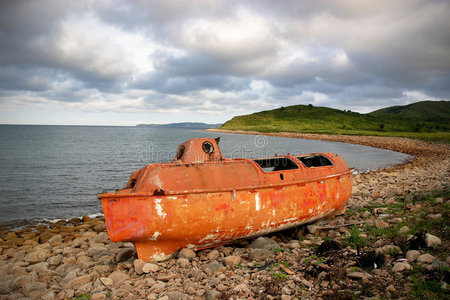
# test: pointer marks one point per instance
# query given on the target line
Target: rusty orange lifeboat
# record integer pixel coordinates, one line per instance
(202, 199)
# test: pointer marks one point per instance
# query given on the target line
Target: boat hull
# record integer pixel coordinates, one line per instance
(160, 225)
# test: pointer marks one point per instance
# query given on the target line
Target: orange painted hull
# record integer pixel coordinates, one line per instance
(202, 199)
(159, 225)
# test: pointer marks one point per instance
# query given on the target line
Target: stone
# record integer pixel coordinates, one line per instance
(232, 260)
(396, 220)
(312, 229)
(21, 263)
(5, 287)
(333, 234)
(149, 267)
(412, 255)
(380, 272)
(263, 243)
(98, 296)
(138, 265)
(186, 253)
(175, 295)
(183, 262)
(426, 258)
(214, 266)
(36, 257)
(381, 224)
(303, 281)
(84, 262)
(10, 236)
(56, 239)
(432, 240)
(41, 268)
(20, 281)
(68, 250)
(403, 230)
(286, 290)
(435, 216)
(85, 288)
(222, 287)
(104, 269)
(389, 249)
(45, 236)
(54, 260)
(68, 294)
(70, 275)
(438, 264)
(75, 221)
(118, 277)
(79, 281)
(259, 254)
(212, 294)
(401, 266)
(366, 214)
(213, 255)
(391, 289)
(124, 255)
(98, 251)
(380, 210)
(357, 275)
(108, 282)
(102, 238)
(439, 200)
(158, 287)
(49, 296)
(241, 288)
(31, 286)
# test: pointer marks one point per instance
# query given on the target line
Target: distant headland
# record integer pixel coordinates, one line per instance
(187, 125)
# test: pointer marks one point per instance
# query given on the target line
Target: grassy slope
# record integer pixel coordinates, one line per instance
(426, 120)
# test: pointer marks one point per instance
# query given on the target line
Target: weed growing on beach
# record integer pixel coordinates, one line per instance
(390, 232)
(277, 250)
(83, 297)
(426, 289)
(279, 276)
(354, 239)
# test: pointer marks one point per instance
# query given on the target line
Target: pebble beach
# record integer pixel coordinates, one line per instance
(395, 231)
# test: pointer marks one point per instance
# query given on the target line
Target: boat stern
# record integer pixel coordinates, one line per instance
(127, 218)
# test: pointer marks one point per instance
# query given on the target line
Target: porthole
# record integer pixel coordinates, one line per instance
(208, 147)
(180, 152)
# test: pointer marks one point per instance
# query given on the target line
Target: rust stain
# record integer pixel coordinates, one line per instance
(204, 199)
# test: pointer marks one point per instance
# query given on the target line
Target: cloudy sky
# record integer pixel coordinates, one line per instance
(128, 62)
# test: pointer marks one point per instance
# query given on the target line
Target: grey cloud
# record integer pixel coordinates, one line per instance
(166, 83)
(199, 46)
(29, 34)
(16, 79)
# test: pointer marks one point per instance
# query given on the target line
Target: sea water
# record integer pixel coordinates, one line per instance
(56, 172)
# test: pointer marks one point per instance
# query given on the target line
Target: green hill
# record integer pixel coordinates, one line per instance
(425, 110)
(429, 120)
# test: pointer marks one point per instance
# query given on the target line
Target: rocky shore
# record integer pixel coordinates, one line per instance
(392, 242)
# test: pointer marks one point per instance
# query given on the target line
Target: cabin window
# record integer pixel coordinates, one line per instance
(180, 152)
(208, 147)
(276, 164)
(315, 161)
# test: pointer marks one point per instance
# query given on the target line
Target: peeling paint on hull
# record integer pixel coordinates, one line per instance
(200, 222)
(255, 204)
